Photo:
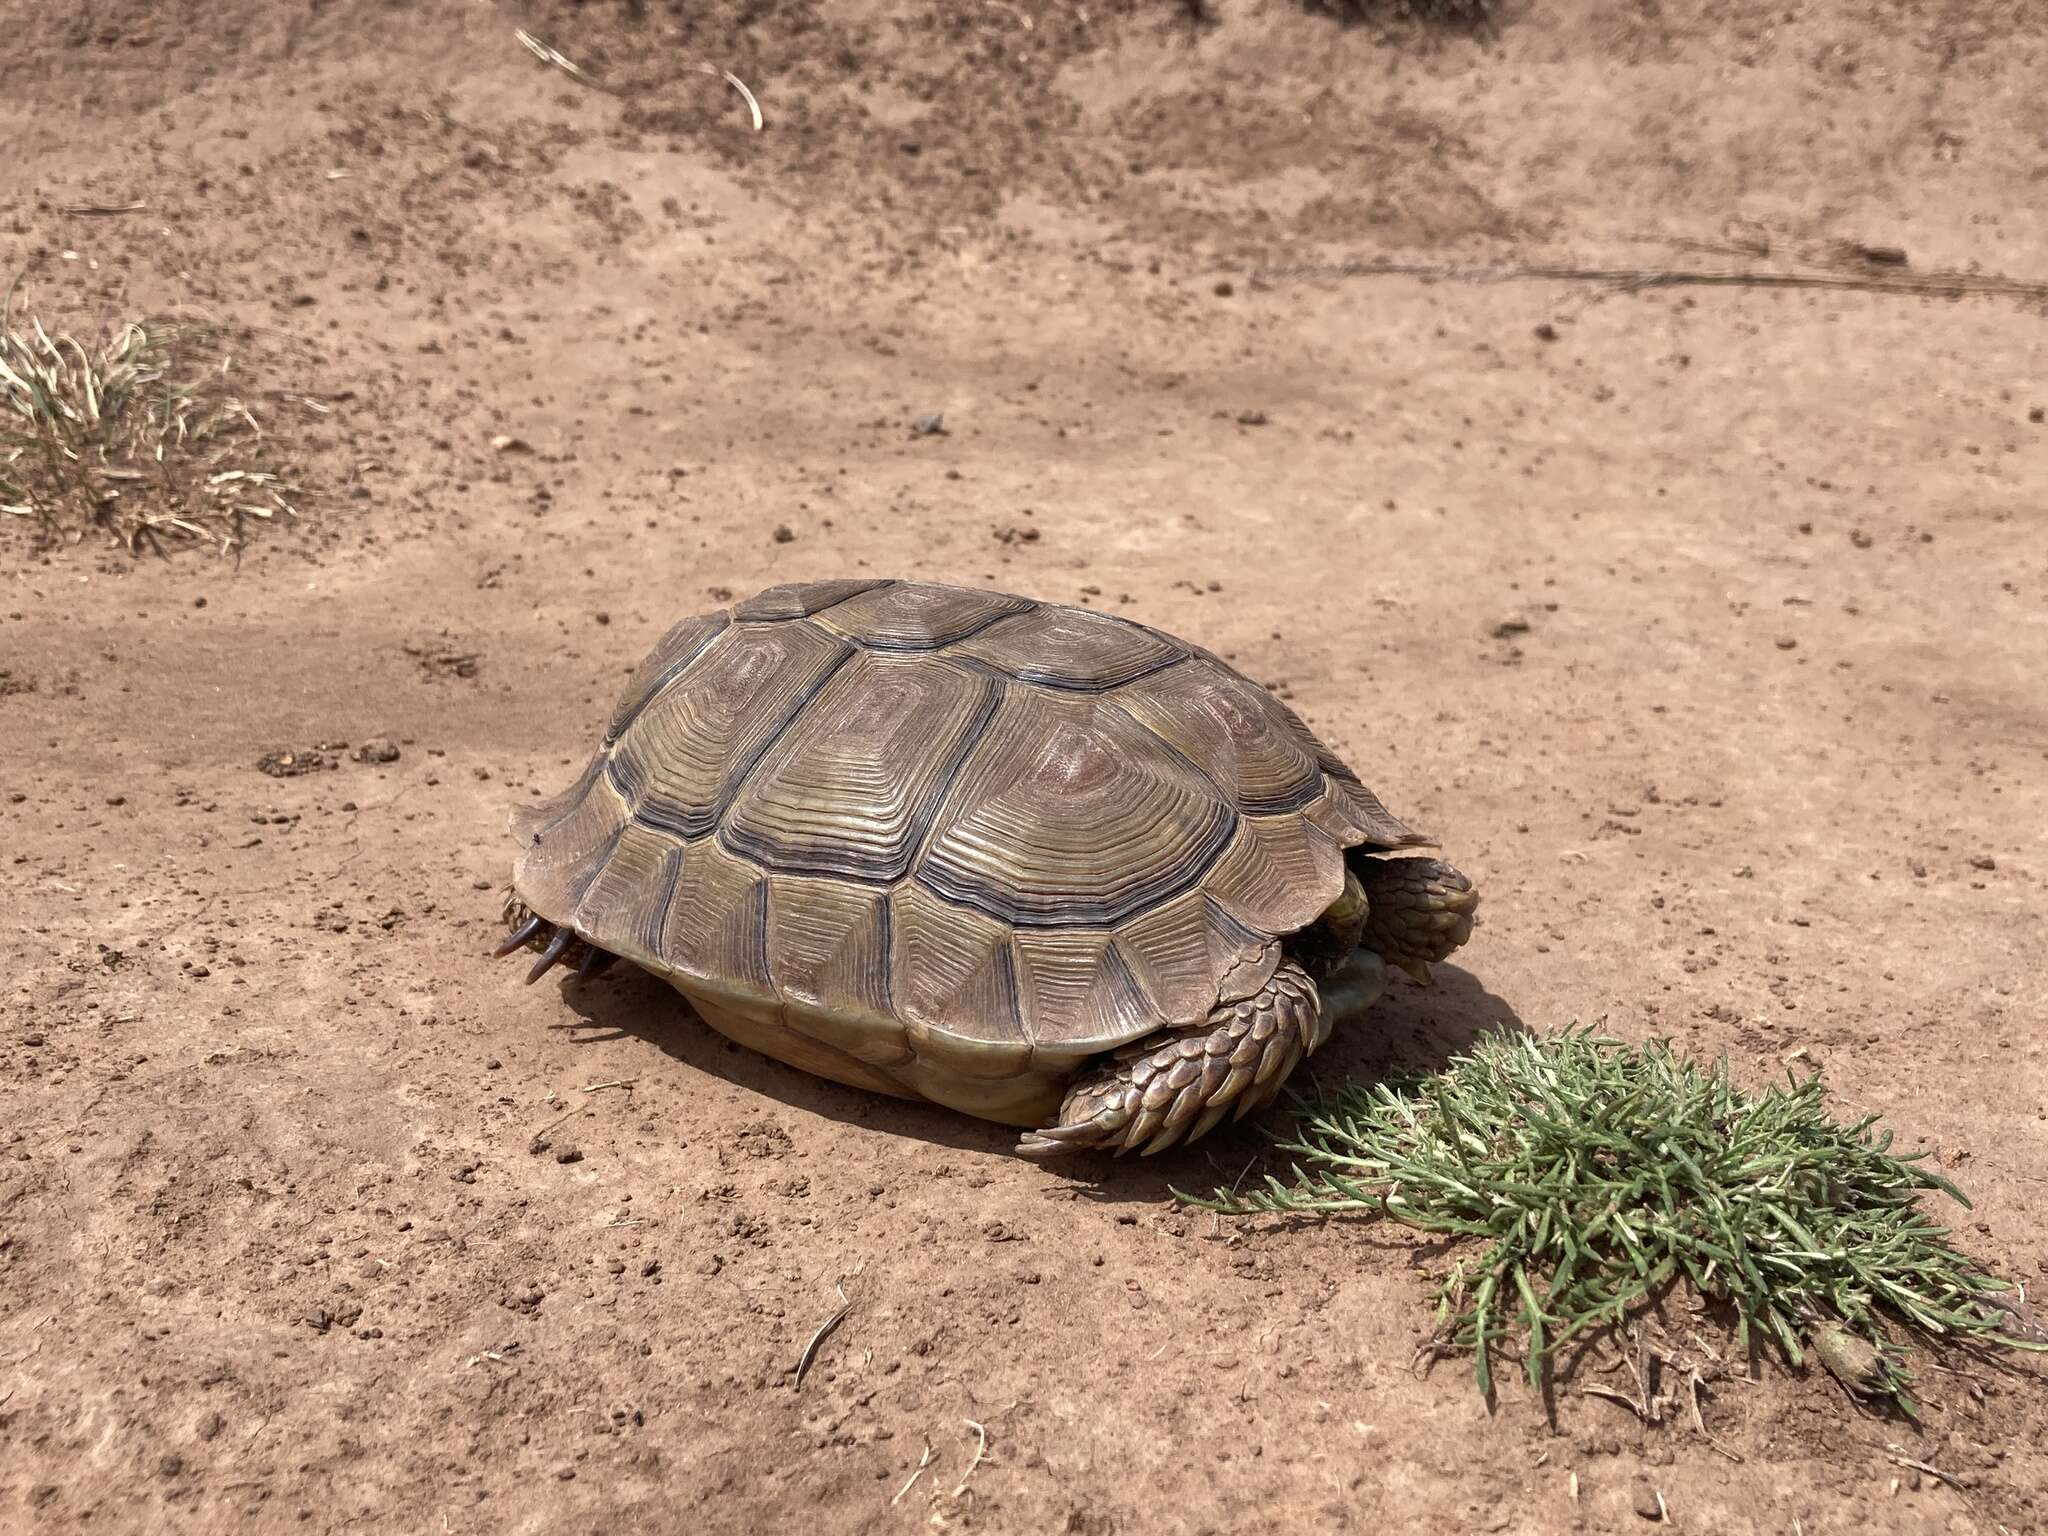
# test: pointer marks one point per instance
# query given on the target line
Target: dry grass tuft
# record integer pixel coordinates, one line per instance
(140, 434)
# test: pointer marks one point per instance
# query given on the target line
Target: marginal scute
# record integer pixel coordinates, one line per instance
(800, 599)
(565, 850)
(531, 822)
(955, 984)
(671, 656)
(1189, 954)
(1062, 816)
(1214, 717)
(851, 787)
(1071, 648)
(687, 751)
(717, 927)
(1073, 986)
(828, 944)
(624, 907)
(1353, 816)
(919, 616)
(1279, 874)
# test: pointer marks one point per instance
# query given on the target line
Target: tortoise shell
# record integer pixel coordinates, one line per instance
(929, 819)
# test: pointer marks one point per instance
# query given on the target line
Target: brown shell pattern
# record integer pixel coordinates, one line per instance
(933, 818)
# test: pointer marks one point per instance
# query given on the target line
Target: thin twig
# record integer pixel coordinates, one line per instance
(923, 1462)
(810, 1353)
(1921, 1466)
(1622, 1398)
(737, 84)
(980, 1451)
(555, 60)
(540, 1136)
(1954, 285)
(135, 207)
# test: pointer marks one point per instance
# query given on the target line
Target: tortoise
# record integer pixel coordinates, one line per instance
(1037, 863)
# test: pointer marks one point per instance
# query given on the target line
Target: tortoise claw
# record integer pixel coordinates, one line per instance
(548, 956)
(595, 962)
(519, 937)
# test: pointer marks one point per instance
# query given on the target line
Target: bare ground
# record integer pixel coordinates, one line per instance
(1705, 625)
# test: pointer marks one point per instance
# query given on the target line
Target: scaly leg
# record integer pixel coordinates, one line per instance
(1421, 910)
(1177, 1085)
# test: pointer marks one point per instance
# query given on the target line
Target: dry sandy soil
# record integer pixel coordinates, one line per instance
(1705, 624)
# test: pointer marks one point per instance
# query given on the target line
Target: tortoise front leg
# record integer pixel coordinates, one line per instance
(1421, 910)
(1178, 1084)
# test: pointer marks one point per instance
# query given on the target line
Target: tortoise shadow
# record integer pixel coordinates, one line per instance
(1412, 1029)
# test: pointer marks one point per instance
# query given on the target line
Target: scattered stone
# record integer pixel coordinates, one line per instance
(1983, 861)
(290, 762)
(1224, 290)
(504, 442)
(1647, 1504)
(1546, 332)
(378, 749)
(1860, 539)
(569, 1155)
(1787, 643)
(784, 534)
(932, 424)
(1251, 418)
(440, 659)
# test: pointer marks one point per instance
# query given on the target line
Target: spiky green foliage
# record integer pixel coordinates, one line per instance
(138, 432)
(1599, 1174)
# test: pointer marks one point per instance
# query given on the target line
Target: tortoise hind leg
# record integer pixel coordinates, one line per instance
(557, 945)
(1175, 1086)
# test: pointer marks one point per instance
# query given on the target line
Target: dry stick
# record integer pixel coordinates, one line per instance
(810, 1353)
(1622, 1398)
(923, 1462)
(1931, 1471)
(135, 207)
(1699, 1421)
(540, 1136)
(980, 1450)
(737, 84)
(1628, 279)
(556, 60)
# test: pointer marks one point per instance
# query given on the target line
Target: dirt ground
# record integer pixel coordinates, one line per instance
(1706, 625)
